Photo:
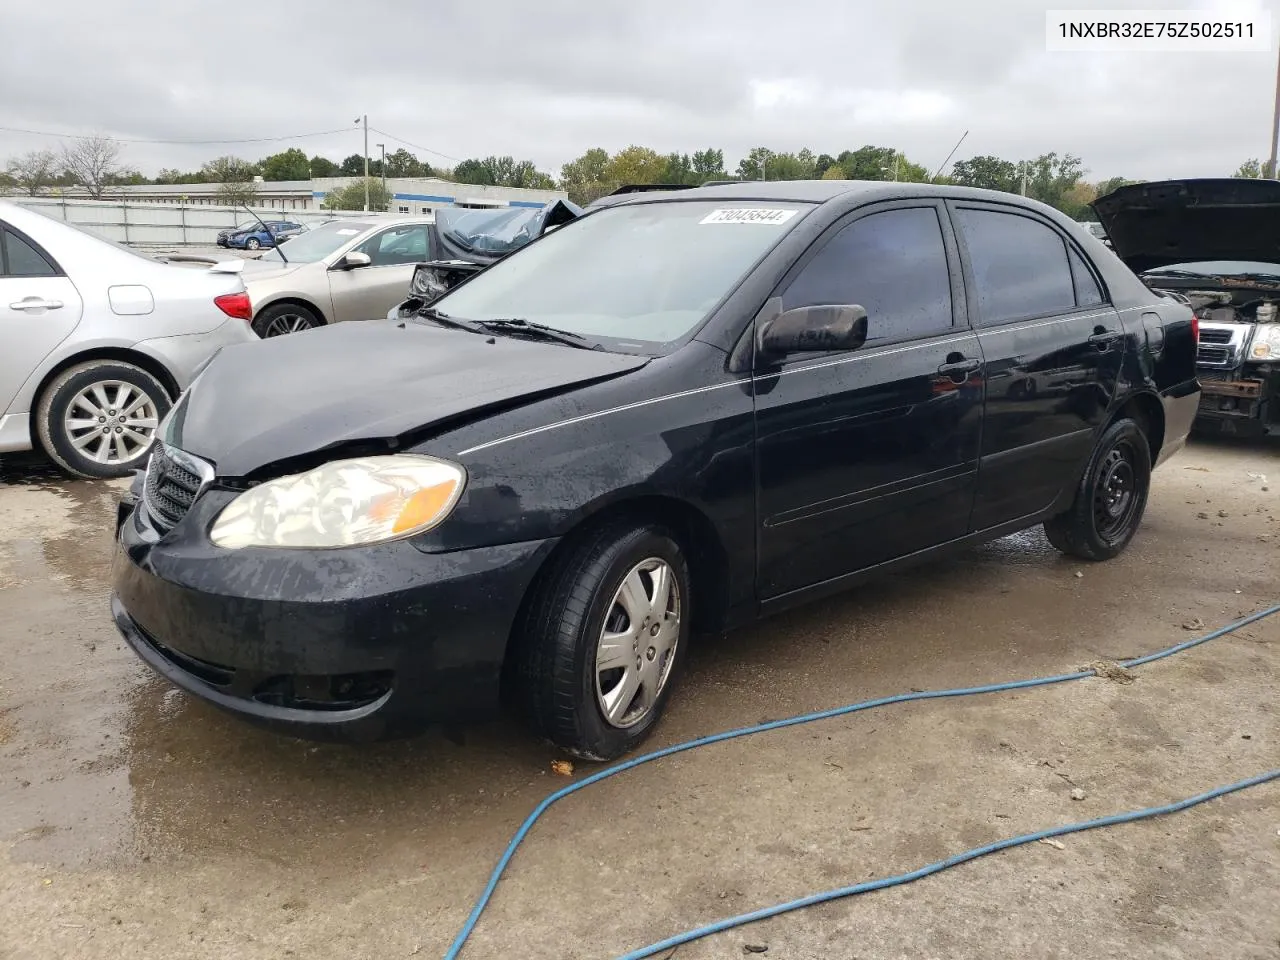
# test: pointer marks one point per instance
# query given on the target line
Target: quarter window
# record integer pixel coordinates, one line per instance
(893, 264)
(21, 259)
(1019, 266)
(1088, 293)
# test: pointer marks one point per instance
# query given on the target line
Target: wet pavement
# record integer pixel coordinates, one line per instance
(135, 821)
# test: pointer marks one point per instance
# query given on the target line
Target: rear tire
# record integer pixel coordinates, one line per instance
(603, 639)
(1111, 498)
(282, 318)
(98, 419)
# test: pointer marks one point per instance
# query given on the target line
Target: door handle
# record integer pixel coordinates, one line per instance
(960, 369)
(1103, 339)
(35, 303)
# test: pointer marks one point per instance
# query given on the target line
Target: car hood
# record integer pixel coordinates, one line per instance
(263, 402)
(1179, 221)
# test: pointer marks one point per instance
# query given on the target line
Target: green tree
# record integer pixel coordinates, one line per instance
(635, 164)
(402, 163)
(1250, 170)
(583, 178)
(987, 172)
(130, 178)
(1050, 178)
(353, 166)
(822, 164)
(32, 171)
(228, 169)
(1112, 184)
(869, 162)
(289, 164)
(474, 171)
(351, 197)
(708, 165)
(234, 194)
(834, 172)
(750, 166)
(324, 167)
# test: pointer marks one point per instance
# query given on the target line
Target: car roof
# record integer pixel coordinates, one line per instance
(814, 191)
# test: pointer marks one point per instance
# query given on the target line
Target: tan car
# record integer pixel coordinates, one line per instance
(340, 270)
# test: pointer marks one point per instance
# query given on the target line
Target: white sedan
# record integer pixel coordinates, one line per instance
(97, 341)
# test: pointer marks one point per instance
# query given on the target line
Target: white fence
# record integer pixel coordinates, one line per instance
(166, 224)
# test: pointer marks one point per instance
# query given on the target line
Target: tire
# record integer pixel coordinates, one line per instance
(1111, 498)
(564, 694)
(88, 392)
(252, 244)
(283, 318)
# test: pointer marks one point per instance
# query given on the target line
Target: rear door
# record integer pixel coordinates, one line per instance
(1053, 346)
(39, 307)
(872, 454)
(367, 293)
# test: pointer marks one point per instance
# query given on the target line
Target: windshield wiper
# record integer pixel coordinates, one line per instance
(1180, 275)
(540, 331)
(447, 321)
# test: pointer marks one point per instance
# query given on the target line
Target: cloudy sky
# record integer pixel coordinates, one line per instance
(547, 80)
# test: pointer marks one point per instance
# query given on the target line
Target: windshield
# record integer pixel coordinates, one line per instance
(320, 241)
(1219, 268)
(637, 274)
(247, 226)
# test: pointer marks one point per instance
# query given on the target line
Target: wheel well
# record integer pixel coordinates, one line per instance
(153, 367)
(1149, 414)
(292, 302)
(696, 534)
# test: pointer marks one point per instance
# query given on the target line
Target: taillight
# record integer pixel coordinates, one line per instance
(1195, 328)
(235, 305)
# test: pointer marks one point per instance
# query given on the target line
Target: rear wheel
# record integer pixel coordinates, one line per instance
(98, 419)
(1111, 498)
(282, 318)
(603, 640)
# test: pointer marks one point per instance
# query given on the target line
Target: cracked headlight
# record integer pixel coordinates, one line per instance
(1265, 344)
(344, 503)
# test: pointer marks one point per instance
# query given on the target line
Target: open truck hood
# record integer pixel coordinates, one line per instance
(1180, 221)
(271, 400)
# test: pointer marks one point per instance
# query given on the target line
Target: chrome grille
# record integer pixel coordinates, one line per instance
(174, 480)
(1215, 335)
(1217, 356)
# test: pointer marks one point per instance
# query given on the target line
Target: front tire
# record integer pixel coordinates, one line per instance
(1111, 498)
(252, 244)
(98, 419)
(282, 318)
(603, 638)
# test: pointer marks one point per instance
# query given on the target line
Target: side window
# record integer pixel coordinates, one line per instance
(1019, 266)
(398, 246)
(892, 263)
(21, 259)
(1088, 293)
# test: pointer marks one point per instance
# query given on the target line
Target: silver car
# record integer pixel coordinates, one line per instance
(339, 270)
(96, 340)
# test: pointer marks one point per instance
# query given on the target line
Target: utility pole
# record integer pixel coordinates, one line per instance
(764, 159)
(383, 148)
(1024, 178)
(365, 120)
(1275, 124)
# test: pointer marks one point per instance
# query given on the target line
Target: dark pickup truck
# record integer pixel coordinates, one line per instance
(1214, 245)
(680, 411)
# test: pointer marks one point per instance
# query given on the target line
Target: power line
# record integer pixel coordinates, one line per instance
(295, 136)
(416, 146)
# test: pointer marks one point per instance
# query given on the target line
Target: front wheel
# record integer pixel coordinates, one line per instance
(252, 244)
(1111, 498)
(603, 640)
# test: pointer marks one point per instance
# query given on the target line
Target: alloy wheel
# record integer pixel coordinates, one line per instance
(111, 422)
(637, 644)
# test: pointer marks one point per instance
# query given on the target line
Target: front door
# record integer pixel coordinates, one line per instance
(367, 293)
(872, 454)
(1053, 346)
(39, 307)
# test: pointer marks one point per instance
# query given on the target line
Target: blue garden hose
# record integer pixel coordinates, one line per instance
(729, 923)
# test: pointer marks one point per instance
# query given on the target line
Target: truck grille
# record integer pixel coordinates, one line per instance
(174, 480)
(1218, 356)
(1215, 335)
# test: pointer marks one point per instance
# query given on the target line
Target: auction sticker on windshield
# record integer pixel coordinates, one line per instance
(748, 215)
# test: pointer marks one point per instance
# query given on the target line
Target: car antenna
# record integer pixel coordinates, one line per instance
(275, 244)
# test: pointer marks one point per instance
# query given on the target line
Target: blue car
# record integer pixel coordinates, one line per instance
(252, 236)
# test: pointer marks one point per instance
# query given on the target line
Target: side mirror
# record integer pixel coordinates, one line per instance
(356, 259)
(818, 329)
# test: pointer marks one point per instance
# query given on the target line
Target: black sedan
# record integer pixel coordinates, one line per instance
(674, 414)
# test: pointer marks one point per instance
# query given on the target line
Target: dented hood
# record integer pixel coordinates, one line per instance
(262, 402)
(1180, 221)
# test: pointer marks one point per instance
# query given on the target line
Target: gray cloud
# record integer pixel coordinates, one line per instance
(547, 81)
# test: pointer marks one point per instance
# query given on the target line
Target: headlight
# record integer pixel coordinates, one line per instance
(1266, 342)
(344, 503)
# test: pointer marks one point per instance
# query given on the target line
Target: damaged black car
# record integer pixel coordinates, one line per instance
(678, 412)
(1214, 244)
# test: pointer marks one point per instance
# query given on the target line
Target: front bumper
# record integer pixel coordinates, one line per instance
(1240, 403)
(358, 643)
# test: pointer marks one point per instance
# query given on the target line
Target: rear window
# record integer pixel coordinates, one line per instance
(1020, 266)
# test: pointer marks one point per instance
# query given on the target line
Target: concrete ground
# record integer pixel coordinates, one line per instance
(136, 822)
